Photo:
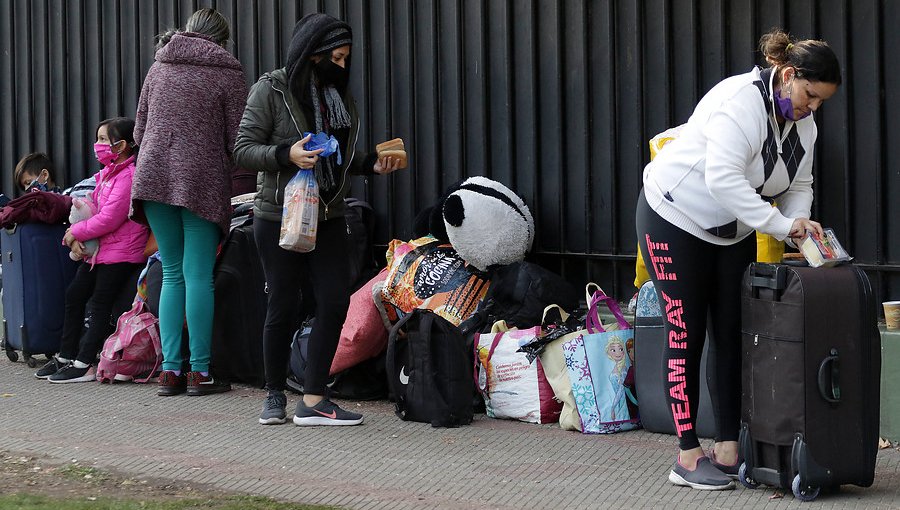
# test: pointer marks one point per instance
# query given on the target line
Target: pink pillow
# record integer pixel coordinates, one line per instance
(364, 334)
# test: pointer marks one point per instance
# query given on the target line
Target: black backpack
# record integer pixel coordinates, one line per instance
(519, 293)
(430, 371)
(364, 381)
(360, 218)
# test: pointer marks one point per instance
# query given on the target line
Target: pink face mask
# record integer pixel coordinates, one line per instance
(104, 153)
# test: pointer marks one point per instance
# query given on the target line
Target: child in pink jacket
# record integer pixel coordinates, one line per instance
(120, 255)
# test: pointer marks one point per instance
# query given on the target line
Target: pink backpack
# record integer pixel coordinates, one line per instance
(133, 352)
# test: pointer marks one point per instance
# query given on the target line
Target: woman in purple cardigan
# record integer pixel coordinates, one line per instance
(187, 121)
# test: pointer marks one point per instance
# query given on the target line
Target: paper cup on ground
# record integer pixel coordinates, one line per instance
(892, 314)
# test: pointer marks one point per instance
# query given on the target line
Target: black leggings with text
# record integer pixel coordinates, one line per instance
(695, 279)
(327, 269)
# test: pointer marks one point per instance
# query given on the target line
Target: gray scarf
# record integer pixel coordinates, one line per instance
(338, 118)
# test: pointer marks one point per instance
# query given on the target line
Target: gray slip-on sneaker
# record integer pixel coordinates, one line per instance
(729, 469)
(705, 476)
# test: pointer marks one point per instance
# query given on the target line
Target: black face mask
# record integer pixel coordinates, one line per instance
(332, 74)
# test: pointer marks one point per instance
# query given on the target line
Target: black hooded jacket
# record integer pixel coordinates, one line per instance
(279, 111)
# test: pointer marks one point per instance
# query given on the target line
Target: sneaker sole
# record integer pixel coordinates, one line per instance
(169, 393)
(272, 421)
(309, 421)
(123, 378)
(206, 391)
(45, 377)
(676, 479)
(84, 378)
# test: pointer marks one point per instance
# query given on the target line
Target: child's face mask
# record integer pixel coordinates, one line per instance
(37, 185)
(105, 154)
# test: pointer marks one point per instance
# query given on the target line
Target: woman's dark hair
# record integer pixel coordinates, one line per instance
(118, 129)
(207, 22)
(814, 60)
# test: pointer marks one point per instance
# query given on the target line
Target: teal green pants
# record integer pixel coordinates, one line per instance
(187, 249)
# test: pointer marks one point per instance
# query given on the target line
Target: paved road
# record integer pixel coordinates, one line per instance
(384, 464)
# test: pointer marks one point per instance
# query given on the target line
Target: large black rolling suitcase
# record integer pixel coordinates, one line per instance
(811, 378)
(36, 272)
(650, 373)
(240, 312)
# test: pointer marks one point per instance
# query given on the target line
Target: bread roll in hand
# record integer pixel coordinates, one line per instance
(393, 149)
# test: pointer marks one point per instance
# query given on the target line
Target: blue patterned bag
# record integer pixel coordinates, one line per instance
(601, 365)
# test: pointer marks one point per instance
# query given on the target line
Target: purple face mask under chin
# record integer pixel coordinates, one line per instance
(786, 107)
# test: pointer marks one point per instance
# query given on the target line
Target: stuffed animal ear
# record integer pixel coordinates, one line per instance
(429, 222)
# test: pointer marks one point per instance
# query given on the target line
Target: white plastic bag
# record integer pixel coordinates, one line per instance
(513, 387)
(300, 218)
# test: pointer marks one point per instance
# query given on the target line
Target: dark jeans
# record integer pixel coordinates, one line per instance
(694, 280)
(100, 285)
(327, 270)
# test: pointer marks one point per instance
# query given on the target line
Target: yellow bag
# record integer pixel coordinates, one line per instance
(641, 275)
(768, 249)
(660, 140)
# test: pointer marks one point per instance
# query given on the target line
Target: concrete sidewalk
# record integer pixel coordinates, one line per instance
(385, 463)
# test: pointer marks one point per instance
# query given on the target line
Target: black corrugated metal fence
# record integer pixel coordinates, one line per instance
(556, 99)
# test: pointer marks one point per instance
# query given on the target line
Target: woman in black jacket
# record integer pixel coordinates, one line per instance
(309, 94)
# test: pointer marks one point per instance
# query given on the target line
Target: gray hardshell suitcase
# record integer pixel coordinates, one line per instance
(649, 342)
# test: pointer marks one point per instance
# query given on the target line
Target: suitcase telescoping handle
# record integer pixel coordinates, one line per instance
(768, 276)
(829, 378)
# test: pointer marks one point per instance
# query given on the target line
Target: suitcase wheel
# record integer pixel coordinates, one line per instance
(803, 494)
(12, 355)
(745, 480)
(31, 362)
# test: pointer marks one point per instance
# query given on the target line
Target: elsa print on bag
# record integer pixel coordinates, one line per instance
(618, 408)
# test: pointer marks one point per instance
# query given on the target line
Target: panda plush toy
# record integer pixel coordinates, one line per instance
(485, 221)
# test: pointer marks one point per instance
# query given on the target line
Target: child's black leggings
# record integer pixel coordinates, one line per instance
(84, 334)
(694, 278)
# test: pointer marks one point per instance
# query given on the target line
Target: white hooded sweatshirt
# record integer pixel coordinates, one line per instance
(718, 179)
